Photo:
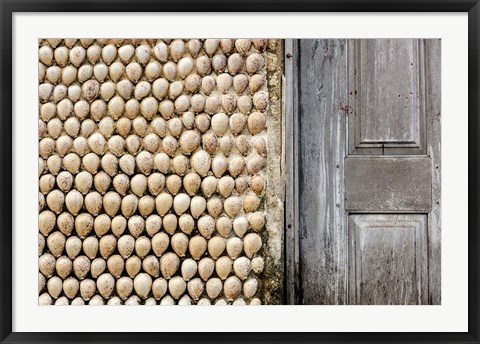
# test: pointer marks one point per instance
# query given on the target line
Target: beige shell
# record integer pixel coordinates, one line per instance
(160, 242)
(41, 244)
(206, 267)
(81, 267)
(138, 184)
(240, 226)
(226, 185)
(257, 264)
(151, 266)
(73, 246)
(198, 205)
(257, 221)
(83, 225)
(144, 162)
(233, 206)
(258, 184)
(203, 65)
(88, 288)
(55, 200)
(214, 287)
(189, 269)
(201, 162)
(153, 223)
(169, 264)
(256, 82)
(224, 226)
(129, 205)
(176, 287)
(46, 221)
(250, 287)
(180, 165)
(242, 143)
(126, 245)
(252, 244)
(46, 183)
(186, 223)
(240, 83)
(105, 285)
(237, 123)
(146, 205)
(133, 300)
(102, 182)
(243, 45)
(234, 247)
(202, 122)
(219, 165)
(127, 164)
(223, 267)
(121, 184)
(197, 246)
(143, 246)
(65, 223)
(93, 203)
(224, 81)
(206, 226)
(167, 301)
(111, 203)
(78, 301)
(71, 287)
(173, 183)
(236, 165)
(142, 284)
(133, 266)
(91, 162)
(97, 267)
(156, 183)
(216, 246)
(124, 287)
(189, 141)
(254, 164)
(191, 183)
(90, 247)
(244, 104)
(242, 267)
(170, 223)
(215, 206)
(159, 288)
(107, 245)
(251, 203)
(229, 103)
(54, 287)
(235, 63)
(232, 288)
(46, 264)
(209, 185)
(179, 244)
(115, 265)
(56, 243)
(195, 288)
(118, 224)
(239, 302)
(209, 143)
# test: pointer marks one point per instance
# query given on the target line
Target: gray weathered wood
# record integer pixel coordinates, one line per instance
(323, 233)
(388, 184)
(433, 111)
(388, 260)
(292, 278)
(386, 107)
(365, 249)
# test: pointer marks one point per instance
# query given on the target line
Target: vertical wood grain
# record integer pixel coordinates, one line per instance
(292, 277)
(323, 234)
(433, 111)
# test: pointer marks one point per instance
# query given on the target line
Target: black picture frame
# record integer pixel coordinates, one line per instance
(8, 7)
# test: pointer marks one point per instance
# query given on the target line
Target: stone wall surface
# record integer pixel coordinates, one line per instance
(160, 178)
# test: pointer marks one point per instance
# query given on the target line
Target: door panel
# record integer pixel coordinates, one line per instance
(386, 91)
(388, 184)
(366, 190)
(388, 261)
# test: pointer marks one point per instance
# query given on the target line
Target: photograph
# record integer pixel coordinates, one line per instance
(237, 171)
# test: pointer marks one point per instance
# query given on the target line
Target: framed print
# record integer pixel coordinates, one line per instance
(313, 162)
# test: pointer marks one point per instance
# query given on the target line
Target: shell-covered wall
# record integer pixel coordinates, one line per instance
(153, 171)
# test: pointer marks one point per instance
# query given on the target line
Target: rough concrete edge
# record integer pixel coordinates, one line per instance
(275, 176)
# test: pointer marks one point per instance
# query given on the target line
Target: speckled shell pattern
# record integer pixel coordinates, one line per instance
(152, 171)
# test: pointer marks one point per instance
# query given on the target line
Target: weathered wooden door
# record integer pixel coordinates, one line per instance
(363, 209)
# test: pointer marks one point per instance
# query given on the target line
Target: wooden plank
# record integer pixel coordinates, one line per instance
(433, 111)
(386, 96)
(388, 184)
(322, 220)
(291, 173)
(389, 261)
